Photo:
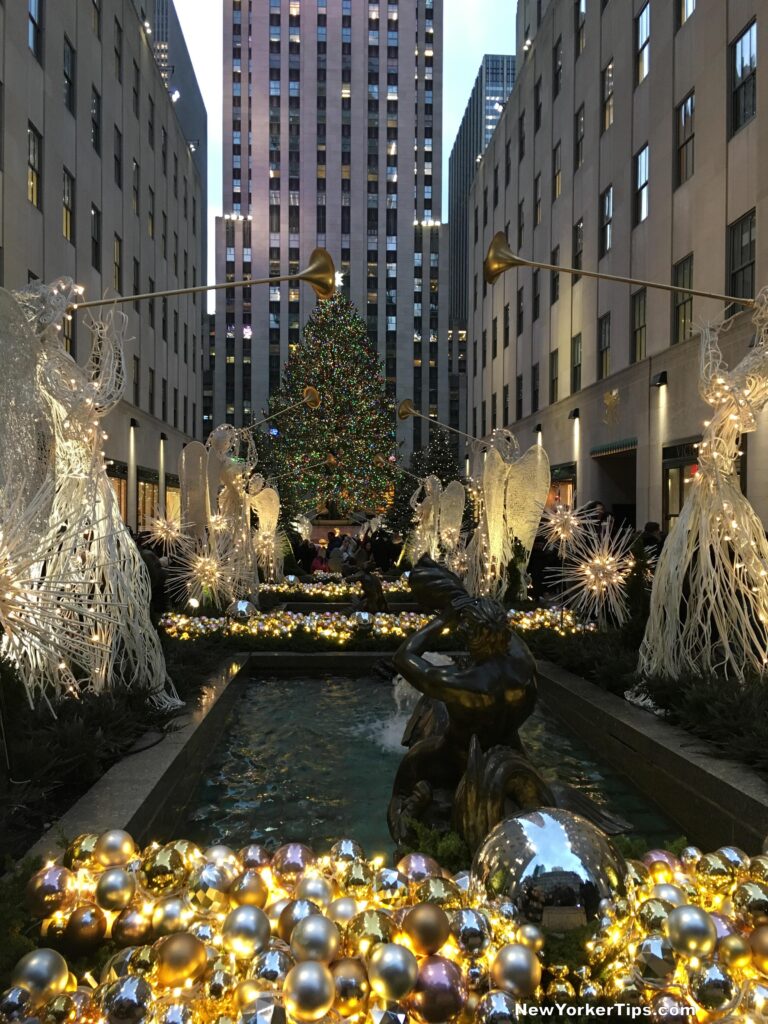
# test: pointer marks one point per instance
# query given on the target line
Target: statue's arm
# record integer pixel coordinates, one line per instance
(442, 682)
(408, 660)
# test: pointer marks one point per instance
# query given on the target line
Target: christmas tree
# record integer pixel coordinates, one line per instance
(327, 454)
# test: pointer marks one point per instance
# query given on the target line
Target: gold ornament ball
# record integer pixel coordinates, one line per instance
(162, 872)
(754, 1001)
(392, 971)
(366, 930)
(290, 862)
(342, 910)
(254, 856)
(180, 958)
(115, 889)
(208, 887)
(169, 915)
(390, 887)
(669, 893)
(293, 912)
(315, 938)
(758, 944)
(653, 914)
(517, 970)
(131, 927)
(43, 973)
(85, 929)
(350, 979)
(750, 903)
(441, 891)
(249, 889)
(245, 932)
(356, 879)
(114, 848)
(50, 890)
(692, 931)
(315, 888)
(81, 853)
(222, 855)
(531, 936)
(758, 868)
(736, 857)
(190, 852)
(344, 851)
(309, 991)
(274, 910)
(270, 968)
(427, 926)
(712, 986)
(471, 931)
(127, 1000)
(690, 857)
(734, 951)
(666, 1006)
(713, 872)
(247, 992)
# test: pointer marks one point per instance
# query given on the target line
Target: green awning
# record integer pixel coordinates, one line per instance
(628, 444)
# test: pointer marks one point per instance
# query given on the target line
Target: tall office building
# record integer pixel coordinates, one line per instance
(332, 118)
(493, 84)
(98, 183)
(621, 150)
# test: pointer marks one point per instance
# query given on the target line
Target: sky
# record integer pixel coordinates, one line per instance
(471, 29)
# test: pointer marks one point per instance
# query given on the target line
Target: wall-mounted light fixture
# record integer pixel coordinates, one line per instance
(135, 423)
(574, 414)
(537, 429)
(163, 437)
(659, 380)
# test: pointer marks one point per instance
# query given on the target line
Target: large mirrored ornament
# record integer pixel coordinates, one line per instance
(555, 865)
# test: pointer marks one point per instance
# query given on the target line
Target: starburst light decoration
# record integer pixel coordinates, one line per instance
(564, 527)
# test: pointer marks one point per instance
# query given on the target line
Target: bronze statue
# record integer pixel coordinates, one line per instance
(466, 767)
(373, 599)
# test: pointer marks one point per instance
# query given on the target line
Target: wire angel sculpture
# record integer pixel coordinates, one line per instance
(709, 602)
(424, 538)
(81, 502)
(509, 492)
(268, 541)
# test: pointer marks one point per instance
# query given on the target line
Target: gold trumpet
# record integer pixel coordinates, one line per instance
(319, 274)
(406, 409)
(310, 397)
(500, 258)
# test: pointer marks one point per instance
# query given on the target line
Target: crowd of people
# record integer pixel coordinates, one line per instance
(338, 551)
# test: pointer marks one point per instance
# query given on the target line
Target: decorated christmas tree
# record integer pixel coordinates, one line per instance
(438, 459)
(327, 454)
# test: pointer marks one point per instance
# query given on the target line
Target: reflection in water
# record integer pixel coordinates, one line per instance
(314, 760)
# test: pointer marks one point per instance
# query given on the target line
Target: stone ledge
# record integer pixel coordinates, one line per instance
(714, 800)
(134, 793)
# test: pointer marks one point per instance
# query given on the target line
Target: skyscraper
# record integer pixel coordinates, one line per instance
(332, 116)
(493, 84)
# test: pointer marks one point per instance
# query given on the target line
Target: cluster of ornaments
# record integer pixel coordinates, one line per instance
(249, 937)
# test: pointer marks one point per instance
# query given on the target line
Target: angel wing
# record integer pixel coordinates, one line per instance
(266, 504)
(195, 501)
(451, 513)
(527, 487)
(495, 473)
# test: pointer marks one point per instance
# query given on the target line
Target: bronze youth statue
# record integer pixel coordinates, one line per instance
(466, 767)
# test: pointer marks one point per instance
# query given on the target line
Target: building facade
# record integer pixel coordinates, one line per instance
(97, 183)
(631, 144)
(332, 116)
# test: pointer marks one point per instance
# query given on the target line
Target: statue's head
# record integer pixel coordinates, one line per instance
(484, 628)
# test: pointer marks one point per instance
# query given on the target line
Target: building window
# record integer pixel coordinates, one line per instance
(604, 346)
(485, 348)
(606, 221)
(95, 237)
(607, 96)
(69, 76)
(537, 209)
(118, 157)
(520, 311)
(505, 406)
(744, 78)
(507, 329)
(682, 302)
(34, 166)
(151, 213)
(637, 352)
(580, 27)
(557, 173)
(136, 381)
(554, 281)
(35, 27)
(151, 391)
(685, 132)
(520, 137)
(578, 247)
(68, 206)
(520, 223)
(640, 211)
(507, 162)
(519, 397)
(553, 376)
(741, 258)
(537, 105)
(151, 122)
(118, 51)
(643, 44)
(495, 186)
(578, 138)
(536, 303)
(117, 265)
(494, 337)
(136, 186)
(96, 17)
(685, 9)
(557, 67)
(576, 363)
(96, 120)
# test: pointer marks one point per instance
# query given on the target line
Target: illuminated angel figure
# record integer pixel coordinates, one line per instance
(76, 399)
(268, 541)
(709, 603)
(593, 576)
(425, 535)
(509, 492)
(563, 527)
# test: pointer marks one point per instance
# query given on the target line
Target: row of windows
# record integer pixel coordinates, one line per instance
(741, 251)
(164, 410)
